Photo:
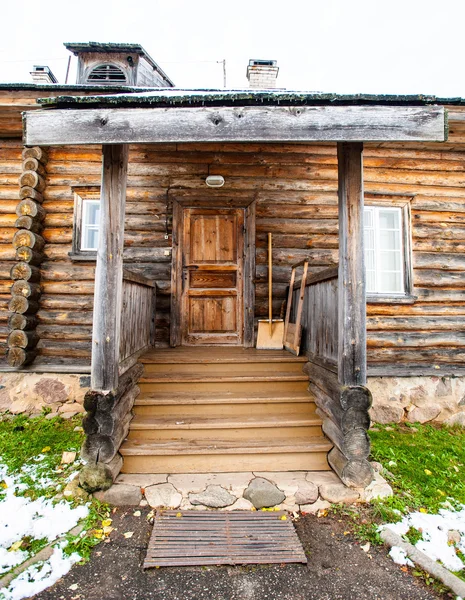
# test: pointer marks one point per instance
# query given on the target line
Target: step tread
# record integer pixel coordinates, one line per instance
(218, 355)
(134, 447)
(149, 422)
(225, 376)
(177, 398)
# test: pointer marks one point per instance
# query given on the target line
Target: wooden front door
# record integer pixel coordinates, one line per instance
(212, 276)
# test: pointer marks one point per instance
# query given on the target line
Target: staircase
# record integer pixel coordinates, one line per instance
(218, 410)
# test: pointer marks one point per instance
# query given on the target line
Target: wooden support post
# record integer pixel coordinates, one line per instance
(109, 271)
(352, 309)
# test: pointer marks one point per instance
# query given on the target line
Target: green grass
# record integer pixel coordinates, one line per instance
(425, 465)
(31, 449)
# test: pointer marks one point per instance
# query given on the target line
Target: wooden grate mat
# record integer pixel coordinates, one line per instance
(189, 538)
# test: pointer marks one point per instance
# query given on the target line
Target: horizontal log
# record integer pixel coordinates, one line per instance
(354, 444)
(33, 180)
(29, 256)
(105, 447)
(137, 278)
(26, 289)
(439, 260)
(233, 124)
(23, 305)
(387, 339)
(68, 287)
(68, 332)
(29, 192)
(65, 317)
(25, 271)
(106, 402)
(433, 356)
(353, 473)
(352, 418)
(29, 239)
(316, 257)
(416, 323)
(18, 357)
(78, 302)
(107, 423)
(18, 321)
(326, 380)
(19, 338)
(40, 154)
(32, 164)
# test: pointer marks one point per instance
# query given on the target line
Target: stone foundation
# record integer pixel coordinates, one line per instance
(32, 393)
(418, 399)
(291, 491)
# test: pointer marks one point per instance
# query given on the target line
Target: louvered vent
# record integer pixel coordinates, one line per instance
(107, 73)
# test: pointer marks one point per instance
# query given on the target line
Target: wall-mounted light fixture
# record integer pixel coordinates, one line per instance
(215, 181)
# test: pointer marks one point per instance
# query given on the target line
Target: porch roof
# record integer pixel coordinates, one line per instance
(162, 97)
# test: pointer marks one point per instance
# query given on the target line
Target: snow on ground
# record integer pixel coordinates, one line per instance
(40, 576)
(442, 534)
(22, 517)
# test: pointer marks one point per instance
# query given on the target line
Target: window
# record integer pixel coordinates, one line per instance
(387, 250)
(86, 223)
(107, 74)
(90, 224)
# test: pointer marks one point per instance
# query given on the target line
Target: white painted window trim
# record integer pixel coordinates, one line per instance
(81, 195)
(85, 227)
(404, 204)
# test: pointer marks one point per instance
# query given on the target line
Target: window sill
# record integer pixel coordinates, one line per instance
(83, 256)
(386, 299)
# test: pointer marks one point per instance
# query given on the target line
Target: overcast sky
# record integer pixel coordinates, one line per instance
(343, 46)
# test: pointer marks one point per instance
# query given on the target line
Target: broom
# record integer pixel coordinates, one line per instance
(270, 332)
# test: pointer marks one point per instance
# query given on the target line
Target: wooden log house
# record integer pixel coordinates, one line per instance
(163, 312)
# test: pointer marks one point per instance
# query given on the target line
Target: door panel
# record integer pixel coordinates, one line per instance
(212, 267)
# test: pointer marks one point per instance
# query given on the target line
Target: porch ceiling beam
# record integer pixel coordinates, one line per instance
(235, 124)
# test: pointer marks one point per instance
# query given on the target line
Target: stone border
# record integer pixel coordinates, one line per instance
(305, 491)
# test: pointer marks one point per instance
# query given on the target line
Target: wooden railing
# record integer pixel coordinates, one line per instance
(320, 317)
(137, 316)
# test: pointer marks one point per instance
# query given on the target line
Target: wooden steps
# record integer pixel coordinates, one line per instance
(222, 410)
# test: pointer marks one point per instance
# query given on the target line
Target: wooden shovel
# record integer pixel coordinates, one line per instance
(270, 332)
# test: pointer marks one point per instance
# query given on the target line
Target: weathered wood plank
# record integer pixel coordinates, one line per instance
(109, 271)
(351, 280)
(234, 124)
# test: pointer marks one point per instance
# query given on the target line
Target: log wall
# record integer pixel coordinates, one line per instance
(296, 191)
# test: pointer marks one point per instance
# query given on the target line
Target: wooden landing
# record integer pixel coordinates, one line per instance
(223, 410)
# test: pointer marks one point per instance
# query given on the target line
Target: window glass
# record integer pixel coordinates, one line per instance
(90, 224)
(384, 260)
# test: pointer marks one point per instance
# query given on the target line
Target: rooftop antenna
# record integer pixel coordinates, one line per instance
(224, 70)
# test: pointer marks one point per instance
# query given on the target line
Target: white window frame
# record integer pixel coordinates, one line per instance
(86, 202)
(403, 205)
(81, 197)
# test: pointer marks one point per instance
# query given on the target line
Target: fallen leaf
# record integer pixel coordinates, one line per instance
(404, 569)
(366, 547)
(150, 515)
(98, 533)
(136, 514)
(346, 532)
(323, 512)
(283, 518)
(179, 515)
(107, 522)
(68, 457)
(428, 472)
(423, 510)
(3, 485)
(128, 534)
(73, 587)
(107, 530)
(15, 546)
(46, 449)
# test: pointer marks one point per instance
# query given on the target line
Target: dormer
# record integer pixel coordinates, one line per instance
(117, 64)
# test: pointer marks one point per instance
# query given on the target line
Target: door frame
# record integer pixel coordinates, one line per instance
(197, 201)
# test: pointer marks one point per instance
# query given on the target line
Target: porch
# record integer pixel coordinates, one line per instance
(335, 332)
